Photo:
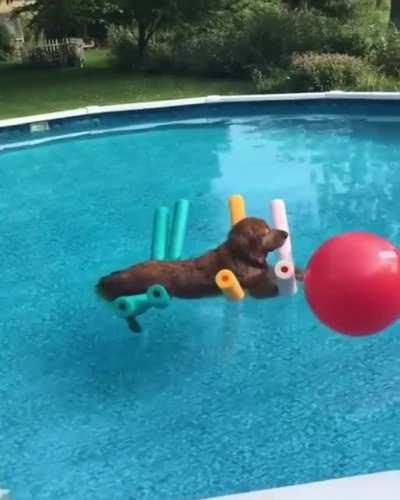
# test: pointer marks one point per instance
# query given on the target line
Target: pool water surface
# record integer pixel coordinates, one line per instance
(214, 398)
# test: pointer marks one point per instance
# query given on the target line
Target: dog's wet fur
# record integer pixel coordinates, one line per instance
(244, 253)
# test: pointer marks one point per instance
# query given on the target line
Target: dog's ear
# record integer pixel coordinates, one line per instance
(238, 239)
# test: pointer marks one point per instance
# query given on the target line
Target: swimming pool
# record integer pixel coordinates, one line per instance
(214, 398)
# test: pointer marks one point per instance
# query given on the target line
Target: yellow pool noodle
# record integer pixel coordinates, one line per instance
(229, 285)
(237, 208)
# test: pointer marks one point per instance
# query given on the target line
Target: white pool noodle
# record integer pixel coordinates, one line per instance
(286, 281)
(280, 221)
(286, 278)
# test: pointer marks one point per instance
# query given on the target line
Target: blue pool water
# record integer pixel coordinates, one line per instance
(214, 398)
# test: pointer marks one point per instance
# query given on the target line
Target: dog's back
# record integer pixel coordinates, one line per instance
(193, 278)
(244, 253)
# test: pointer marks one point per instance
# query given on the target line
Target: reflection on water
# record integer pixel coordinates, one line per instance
(336, 175)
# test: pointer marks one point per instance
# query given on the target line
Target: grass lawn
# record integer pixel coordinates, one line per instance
(26, 91)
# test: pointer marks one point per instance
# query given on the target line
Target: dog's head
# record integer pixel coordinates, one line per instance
(252, 239)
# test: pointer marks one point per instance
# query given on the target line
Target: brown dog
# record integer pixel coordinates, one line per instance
(244, 253)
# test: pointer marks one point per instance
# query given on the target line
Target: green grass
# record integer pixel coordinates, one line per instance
(27, 91)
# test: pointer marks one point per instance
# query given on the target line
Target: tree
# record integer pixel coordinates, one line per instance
(6, 42)
(61, 18)
(395, 12)
(149, 16)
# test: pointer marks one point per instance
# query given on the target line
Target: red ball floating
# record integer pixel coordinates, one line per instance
(352, 283)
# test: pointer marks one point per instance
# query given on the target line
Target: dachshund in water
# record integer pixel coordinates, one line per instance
(244, 253)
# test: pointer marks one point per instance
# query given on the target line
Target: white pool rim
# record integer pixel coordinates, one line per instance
(214, 99)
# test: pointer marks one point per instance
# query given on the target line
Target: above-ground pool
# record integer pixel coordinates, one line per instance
(214, 398)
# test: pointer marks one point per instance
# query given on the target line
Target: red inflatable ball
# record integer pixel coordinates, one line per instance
(352, 283)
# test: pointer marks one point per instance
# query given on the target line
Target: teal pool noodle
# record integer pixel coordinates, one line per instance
(178, 230)
(132, 305)
(158, 297)
(160, 234)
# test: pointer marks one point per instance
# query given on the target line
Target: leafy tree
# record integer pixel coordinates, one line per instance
(149, 16)
(6, 41)
(60, 18)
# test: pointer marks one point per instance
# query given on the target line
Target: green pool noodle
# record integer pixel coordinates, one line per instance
(160, 234)
(158, 297)
(132, 305)
(178, 230)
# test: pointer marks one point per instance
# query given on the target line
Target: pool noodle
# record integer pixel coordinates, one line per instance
(158, 297)
(284, 268)
(229, 285)
(132, 305)
(178, 230)
(160, 234)
(237, 208)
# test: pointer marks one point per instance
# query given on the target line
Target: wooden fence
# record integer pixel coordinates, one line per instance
(58, 52)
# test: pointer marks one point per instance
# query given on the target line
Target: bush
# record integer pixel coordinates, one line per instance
(6, 42)
(271, 80)
(264, 35)
(342, 9)
(324, 72)
(213, 52)
(386, 53)
(207, 50)
(124, 50)
(255, 34)
(123, 47)
(278, 33)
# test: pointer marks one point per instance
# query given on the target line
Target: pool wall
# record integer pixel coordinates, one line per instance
(95, 120)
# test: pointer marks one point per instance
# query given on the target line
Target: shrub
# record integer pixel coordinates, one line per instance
(271, 80)
(212, 53)
(342, 9)
(214, 48)
(6, 42)
(386, 53)
(123, 47)
(197, 53)
(263, 34)
(257, 33)
(279, 80)
(275, 34)
(323, 72)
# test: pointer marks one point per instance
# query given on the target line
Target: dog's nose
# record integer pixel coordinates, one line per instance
(284, 234)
